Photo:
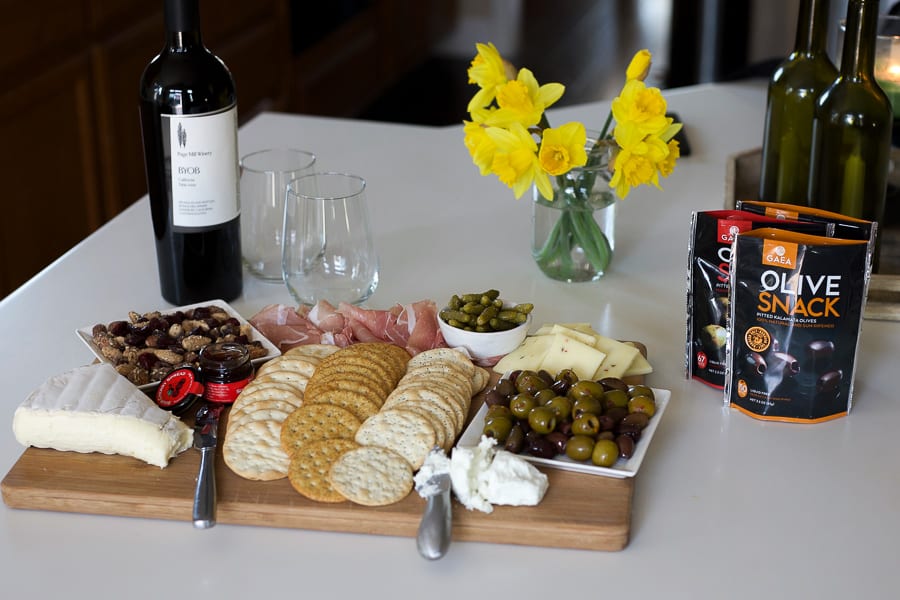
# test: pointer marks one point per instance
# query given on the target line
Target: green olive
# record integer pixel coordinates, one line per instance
(589, 405)
(531, 382)
(586, 424)
(521, 404)
(586, 389)
(542, 419)
(641, 390)
(498, 428)
(544, 396)
(605, 453)
(498, 410)
(616, 398)
(642, 404)
(561, 406)
(580, 447)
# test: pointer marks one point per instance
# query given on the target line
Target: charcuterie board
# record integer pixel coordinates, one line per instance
(579, 511)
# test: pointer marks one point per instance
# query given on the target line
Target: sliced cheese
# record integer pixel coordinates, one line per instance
(548, 328)
(619, 357)
(585, 338)
(566, 352)
(94, 409)
(639, 366)
(528, 356)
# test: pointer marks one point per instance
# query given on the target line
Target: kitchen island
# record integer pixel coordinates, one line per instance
(724, 506)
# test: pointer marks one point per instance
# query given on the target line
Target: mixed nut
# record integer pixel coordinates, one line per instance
(147, 346)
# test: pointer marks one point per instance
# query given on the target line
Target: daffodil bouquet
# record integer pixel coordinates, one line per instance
(510, 136)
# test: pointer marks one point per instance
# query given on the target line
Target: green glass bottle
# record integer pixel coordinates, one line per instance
(852, 127)
(793, 91)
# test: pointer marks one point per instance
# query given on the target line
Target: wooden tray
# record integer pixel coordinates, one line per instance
(883, 302)
(579, 511)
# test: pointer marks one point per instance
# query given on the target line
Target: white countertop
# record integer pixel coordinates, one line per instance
(725, 506)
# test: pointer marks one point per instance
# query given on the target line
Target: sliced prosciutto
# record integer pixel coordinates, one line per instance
(412, 326)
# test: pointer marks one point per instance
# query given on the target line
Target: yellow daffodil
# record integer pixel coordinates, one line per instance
(639, 67)
(637, 161)
(488, 71)
(480, 146)
(667, 165)
(515, 161)
(523, 100)
(509, 135)
(640, 106)
(563, 148)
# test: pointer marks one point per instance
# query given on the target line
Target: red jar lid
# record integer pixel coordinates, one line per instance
(179, 389)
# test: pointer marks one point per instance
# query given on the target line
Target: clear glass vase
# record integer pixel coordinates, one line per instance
(573, 236)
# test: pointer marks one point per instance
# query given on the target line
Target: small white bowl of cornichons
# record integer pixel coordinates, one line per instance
(484, 324)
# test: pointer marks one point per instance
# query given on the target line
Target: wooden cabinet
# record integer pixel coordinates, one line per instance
(71, 155)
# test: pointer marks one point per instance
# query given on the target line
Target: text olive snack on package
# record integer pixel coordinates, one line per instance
(709, 254)
(796, 311)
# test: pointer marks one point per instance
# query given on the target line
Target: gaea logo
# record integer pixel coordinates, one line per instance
(727, 229)
(778, 253)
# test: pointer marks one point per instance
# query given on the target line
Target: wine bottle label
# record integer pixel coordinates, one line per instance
(201, 150)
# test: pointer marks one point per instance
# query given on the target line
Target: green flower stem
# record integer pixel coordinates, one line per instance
(591, 238)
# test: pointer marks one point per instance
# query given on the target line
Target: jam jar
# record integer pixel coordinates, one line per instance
(225, 370)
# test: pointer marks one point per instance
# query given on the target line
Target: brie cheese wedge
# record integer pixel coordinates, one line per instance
(94, 409)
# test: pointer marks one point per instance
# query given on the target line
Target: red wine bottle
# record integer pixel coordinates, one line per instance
(188, 109)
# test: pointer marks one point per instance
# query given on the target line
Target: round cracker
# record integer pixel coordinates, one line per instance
(304, 366)
(361, 405)
(444, 432)
(318, 351)
(313, 422)
(311, 464)
(372, 476)
(253, 451)
(291, 378)
(281, 392)
(408, 434)
(442, 355)
(275, 410)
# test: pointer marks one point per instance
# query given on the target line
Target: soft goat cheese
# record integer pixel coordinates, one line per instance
(484, 476)
(94, 409)
(436, 463)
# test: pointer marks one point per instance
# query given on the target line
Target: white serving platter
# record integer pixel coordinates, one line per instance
(84, 333)
(622, 469)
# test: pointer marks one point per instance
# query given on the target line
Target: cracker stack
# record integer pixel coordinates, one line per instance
(346, 388)
(252, 447)
(353, 423)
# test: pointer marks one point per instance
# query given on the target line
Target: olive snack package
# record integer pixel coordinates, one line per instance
(709, 252)
(796, 310)
(840, 226)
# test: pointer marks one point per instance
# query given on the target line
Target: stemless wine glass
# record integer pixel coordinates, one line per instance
(328, 252)
(264, 179)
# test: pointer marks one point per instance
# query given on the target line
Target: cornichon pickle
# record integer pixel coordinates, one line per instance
(455, 315)
(484, 312)
(472, 308)
(486, 315)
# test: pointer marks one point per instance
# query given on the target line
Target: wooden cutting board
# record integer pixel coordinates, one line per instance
(579, 511)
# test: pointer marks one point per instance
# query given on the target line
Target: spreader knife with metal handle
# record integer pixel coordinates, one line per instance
(433, 537)
(205, 429)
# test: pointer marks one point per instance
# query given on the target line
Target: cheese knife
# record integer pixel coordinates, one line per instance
(205, 432)
(433, 537)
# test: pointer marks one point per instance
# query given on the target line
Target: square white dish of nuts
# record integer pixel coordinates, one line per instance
(170, 337)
